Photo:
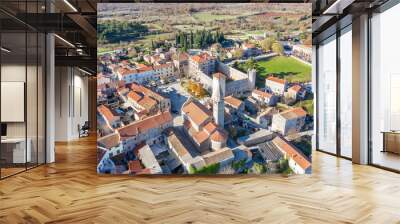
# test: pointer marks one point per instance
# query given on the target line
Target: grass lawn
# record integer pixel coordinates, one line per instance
(281, 66)
(208, 17)
(146, 40)
(103, 50)
(285, 67)
(193, 27)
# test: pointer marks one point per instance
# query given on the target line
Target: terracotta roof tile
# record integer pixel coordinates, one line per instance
(294, 113)
(109, 141)
(219, 136)
(262, 94)
(249, 45)
(145, 91)
(210, 127)
(147, 103)
(135, 166)
(126, 71)
(218, 156)
(134, 96)
(144, 125)
(106, 112)
(296, 88)
(200, 136)
(201, 58)
(219, 75)
(278, 80)
(197, 112)
(292, 152)
(232, 101)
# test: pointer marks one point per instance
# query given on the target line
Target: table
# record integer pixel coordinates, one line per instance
(391, 141)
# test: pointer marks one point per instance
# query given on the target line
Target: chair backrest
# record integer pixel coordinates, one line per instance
(86, 125)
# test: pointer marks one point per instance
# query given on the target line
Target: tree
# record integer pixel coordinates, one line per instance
(202, 92)
(238, 53)
(190, 86)
(113, 31)
(284, 166)
(251, 64)
(199, 39)
(191, 39)
(216, 47)
(258, 168)
(235, 64)
(210, 169)
(277, 48)
(196, 89)
(132, 53)
(302, 36)
(266, 44)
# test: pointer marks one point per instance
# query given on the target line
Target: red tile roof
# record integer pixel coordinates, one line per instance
(210, 127)
(219, 75)
(126, 71)
(147, 103)
(249, 45)
(163, 66)
(296, 88)
(200, 136)
(294, 113)
(134, 96)
(292, 152)
(145, 125)
(146, 91)
(109, 141)
(278, 80)
(262, 93)
(183, 56)
(144, 69)
(196, 111)
(232, 101)
(135, 166)
(106, 112)
(201, 58)
(219, 136)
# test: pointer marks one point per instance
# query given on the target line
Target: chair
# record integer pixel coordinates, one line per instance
(84, 130)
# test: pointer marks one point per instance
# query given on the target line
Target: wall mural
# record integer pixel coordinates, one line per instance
(204, 88)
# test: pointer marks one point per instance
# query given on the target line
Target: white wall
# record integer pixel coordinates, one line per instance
(33, 127)
(71, 102)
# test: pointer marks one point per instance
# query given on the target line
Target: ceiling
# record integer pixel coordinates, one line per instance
(73, 21)
(330, 15)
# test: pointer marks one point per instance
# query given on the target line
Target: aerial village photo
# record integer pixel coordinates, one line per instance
(191, 88)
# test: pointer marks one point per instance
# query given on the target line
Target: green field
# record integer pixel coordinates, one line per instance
(280, 66)
(285, 67)
(192, 27)
(208, 17)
